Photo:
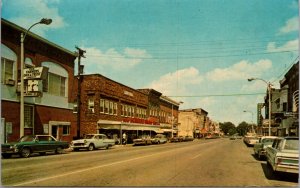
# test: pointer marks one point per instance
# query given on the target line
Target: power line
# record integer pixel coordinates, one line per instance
(219, 95)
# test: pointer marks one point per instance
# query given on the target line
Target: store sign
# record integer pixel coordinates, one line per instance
(128, 93)
(35, 73)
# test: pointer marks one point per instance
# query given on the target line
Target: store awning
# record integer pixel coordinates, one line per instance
(105, 124)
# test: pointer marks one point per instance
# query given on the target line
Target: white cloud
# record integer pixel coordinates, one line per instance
(290, 26)
(239, 71)
(31, 11)
(289, 46)
(177, 82)
(97, 60)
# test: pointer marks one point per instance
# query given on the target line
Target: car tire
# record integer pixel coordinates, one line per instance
(91, 147)
(25, 152)
(42, 153)
(6, 155)
(59, 150)
(158, 142)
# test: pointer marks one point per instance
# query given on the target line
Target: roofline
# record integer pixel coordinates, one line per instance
(100, 75)
(21, 29)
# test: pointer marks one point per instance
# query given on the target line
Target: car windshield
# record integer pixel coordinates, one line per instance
(268, 140)
(88, 136)
(26, 138)
(291, 144)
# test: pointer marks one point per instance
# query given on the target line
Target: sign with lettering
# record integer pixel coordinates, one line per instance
(35, 73)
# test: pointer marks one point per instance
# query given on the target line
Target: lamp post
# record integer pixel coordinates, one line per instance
(23, 36)
(251, 120)
(270, 105)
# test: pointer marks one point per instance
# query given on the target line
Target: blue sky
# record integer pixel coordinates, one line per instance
(200, 52)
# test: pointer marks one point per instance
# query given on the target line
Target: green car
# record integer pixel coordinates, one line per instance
(29, 144)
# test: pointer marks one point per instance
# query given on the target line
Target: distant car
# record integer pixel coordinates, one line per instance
(176, 139)
(159, 139)
(284, 155)
(260, 147)
(93, 141)
(188, 138)
(233, 137)
(29, 144)
(142, 140)
(251, 140)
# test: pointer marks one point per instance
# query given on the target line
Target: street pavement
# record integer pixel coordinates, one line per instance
(216, 162)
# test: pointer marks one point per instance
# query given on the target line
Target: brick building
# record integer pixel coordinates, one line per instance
(112, 108)
(50, 112)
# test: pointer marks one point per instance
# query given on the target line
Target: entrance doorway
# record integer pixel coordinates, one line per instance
(54, 131)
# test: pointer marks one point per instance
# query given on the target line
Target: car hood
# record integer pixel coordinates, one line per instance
(9, 144)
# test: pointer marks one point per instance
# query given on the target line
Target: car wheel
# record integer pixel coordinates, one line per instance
(6, 155)
(91, 147)
(42, 153)
(158, 142)
(75, 149)
(25, 152)
(59, 150)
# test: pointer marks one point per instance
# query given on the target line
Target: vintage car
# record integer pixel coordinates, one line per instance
(29, 144)
(92, 141)
(159, 139)
(260, 147)
(142, 140)
(251, 140)
(188, 138)
(176, 139)
(284, 155)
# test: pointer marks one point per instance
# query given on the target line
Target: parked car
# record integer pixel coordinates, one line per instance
(251, 140)
(142, 140)
(284, 155)
(260, 147)
(29, 144)
(159, 139)
(176, 139)
(93, 141)
(188, 138)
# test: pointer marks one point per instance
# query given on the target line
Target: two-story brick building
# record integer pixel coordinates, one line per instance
(112, 108)
(50, 112)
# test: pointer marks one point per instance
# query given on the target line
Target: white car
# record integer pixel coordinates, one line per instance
(260, 147)
(92, 141)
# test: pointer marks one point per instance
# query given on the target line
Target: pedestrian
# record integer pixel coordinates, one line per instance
(124, 138)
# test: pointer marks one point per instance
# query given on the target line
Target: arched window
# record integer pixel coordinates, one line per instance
(8, 62)
(57, 79)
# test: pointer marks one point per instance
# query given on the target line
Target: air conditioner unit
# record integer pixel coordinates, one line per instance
(10, 82)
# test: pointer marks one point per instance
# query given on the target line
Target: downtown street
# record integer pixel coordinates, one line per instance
(210, 162)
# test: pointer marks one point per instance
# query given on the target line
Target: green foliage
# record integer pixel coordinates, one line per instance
(243, 128)
(228, 127)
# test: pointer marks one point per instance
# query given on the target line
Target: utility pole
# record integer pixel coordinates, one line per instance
(80, 71)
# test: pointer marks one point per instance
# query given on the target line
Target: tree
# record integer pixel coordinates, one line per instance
(228, 127)
(243, 128)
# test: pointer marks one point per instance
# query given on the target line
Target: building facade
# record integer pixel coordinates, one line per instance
(47, 101)
(112, 108)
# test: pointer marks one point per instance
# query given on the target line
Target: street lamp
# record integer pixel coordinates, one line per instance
(269, 90)
(23, 36)
(251, 120)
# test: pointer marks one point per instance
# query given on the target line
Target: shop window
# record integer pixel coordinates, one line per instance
(66, 130)
(101, 105)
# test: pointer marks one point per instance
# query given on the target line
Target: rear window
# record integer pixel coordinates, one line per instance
(291, 145)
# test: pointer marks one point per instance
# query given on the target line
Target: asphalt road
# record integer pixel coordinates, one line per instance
(216, 162)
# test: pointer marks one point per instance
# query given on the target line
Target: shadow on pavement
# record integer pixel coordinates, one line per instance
(279, 176)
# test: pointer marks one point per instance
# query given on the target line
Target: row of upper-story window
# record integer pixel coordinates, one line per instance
(111, 108)
(56, 83)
